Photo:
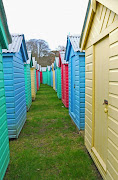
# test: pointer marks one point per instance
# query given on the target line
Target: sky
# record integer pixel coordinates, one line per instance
(51, 20)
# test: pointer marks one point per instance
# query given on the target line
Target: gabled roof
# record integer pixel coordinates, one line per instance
(48, 68)
(5, 26)
(18, 42)
(75, 39)
(91, 9)
(72, 41)
(43, 69)
(62, 58)
(57, 61)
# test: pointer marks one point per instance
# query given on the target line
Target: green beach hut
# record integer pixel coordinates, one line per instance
(58, 76)
(5, 39)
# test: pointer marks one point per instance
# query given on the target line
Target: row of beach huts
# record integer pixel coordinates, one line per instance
(85, 77)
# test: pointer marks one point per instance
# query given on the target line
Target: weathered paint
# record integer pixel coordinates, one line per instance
(33, 86)
(14, 80)
(28, 86)
(101, 120)
(76, 84)
(5, 39)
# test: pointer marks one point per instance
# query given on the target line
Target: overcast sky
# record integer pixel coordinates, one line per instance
(51, 20)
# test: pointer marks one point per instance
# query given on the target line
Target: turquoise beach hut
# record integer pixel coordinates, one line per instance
(76, 63)
(5, 39)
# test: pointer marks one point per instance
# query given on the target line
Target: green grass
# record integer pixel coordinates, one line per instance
(49, 146)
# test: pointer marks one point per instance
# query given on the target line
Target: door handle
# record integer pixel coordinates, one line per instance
(105, 110)
(74, 85)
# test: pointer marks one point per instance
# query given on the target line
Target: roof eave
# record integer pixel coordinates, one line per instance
(4, 22)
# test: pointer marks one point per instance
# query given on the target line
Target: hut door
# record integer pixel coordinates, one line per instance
(73, 85)
(101, 100)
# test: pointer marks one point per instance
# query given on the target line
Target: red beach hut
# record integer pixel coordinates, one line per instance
(64, 78)
(40, 75)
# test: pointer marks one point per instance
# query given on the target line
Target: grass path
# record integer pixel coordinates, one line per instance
(49, 146)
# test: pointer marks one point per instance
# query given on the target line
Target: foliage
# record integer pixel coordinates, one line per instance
(38, 47)
(49, 146)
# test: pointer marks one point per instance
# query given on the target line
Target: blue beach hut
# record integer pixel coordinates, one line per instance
(76, 72)
(14, 79)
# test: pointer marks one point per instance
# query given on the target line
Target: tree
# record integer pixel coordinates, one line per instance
(38, 47)
(61, 48)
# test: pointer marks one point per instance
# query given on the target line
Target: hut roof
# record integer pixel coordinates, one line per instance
(91, 9)
(4, 22)
(16, 45)
(62, 58)
(44, 68)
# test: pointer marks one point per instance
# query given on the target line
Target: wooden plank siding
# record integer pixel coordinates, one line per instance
(15, 93)
(54, 79)
(44, 77)
(4, 142)
(28, 86)
(59, 95)
(79, 75)
(33, 86)
(102, 25)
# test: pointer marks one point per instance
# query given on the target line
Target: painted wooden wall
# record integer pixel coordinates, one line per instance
(41, 81)
(104, 25)
(28, 86)
(77, 87)
(59, 82)
(14, 80)
(51, 78)
(65, 85)
(37, 79)
(44, 77)
(33, 86)
(4, 141)
(54, 79)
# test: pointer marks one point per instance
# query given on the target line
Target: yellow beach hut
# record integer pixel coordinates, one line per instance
(99, 39)
(32, 70)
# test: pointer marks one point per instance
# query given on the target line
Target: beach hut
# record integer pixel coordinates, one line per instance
(76, 70)
(58, 77)
(54, 77)
(39, 67)
(28, 81)
(37, 76)
(33, 84)
(64, 78)
(44, 75)
(35, 68)
(41, 81)
(49, 75)
(14, 79)
(99, 39)
(52, 68)
(5, 39)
